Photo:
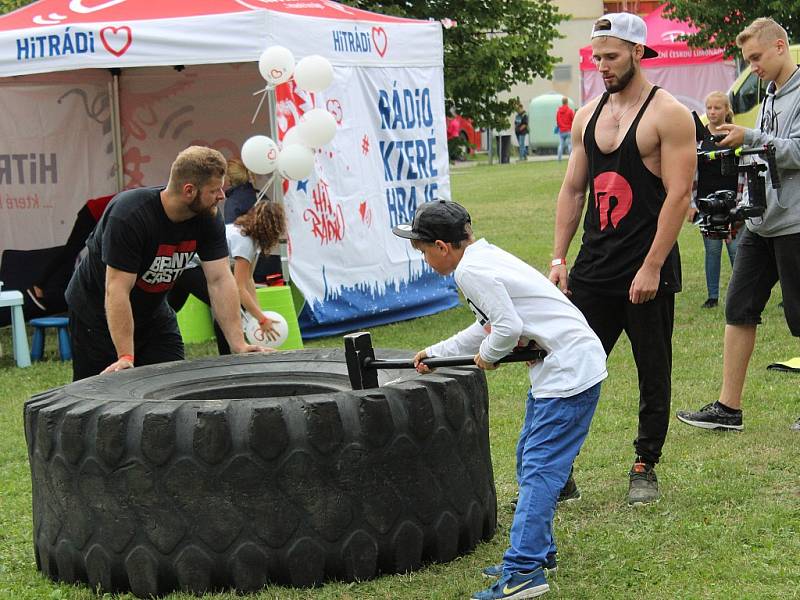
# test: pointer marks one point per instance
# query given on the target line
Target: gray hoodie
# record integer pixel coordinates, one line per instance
(778, 122)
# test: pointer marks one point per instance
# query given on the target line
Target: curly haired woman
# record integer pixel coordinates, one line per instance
(256, 231)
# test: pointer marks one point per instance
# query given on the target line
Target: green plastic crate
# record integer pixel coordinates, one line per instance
(194, 321)
(279, 299)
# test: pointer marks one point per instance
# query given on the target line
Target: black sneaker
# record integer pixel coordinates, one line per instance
(643, 486)
(710, 303)
(712, 416)
(795, 426)
(570, 491)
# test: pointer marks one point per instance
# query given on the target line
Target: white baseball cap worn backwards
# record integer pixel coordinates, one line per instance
(624, 26)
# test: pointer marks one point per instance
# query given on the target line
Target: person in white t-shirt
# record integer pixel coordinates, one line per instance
(256, 231)
(514, 304)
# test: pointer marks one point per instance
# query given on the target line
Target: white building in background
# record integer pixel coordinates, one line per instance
(566, 79)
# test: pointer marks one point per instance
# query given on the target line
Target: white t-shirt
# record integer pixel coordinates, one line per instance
(512, 300)
(240, 245)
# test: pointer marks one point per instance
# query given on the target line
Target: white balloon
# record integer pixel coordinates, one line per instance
(291, 137)
(254, 335)
(296, 162)
(260, 154)
(317, 127)
(276, 64)
(313, 73)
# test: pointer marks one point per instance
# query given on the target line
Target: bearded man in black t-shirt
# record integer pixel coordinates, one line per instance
(118, 312)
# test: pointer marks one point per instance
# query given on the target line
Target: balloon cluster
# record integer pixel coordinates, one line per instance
(295, 158)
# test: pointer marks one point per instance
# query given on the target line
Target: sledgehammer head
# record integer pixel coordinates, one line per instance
(357, 348)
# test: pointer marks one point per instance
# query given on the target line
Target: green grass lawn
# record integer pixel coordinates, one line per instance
(728, 524)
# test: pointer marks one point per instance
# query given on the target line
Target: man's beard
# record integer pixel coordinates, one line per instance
(622, 81)
(196, 206)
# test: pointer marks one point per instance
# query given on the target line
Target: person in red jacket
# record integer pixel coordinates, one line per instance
(564, 116)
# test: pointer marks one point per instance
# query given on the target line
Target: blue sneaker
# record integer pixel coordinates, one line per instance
(516, 586)
(495, 571)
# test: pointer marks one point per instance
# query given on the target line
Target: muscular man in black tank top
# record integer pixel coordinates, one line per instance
(634, 148)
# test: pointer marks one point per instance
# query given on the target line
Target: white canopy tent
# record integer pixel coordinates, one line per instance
(100, 95)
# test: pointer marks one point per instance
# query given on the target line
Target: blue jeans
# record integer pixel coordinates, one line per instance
(564, 140)
(523, 145)
(713, 258)
(552, 435)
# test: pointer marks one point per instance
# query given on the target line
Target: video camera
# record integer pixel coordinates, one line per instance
(720, 213)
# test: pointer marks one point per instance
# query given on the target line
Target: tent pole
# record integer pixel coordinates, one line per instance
(116, 129)
(277, 182)
(277, 187)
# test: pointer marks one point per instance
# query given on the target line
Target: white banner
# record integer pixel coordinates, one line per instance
(388, 156)
(55, 153)
(379, 44)
(134, 43)
(60, 35)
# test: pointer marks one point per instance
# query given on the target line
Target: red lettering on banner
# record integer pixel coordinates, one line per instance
(335, 108)
(133, 159)
(29, 202)
(327, 220)
(366, 214)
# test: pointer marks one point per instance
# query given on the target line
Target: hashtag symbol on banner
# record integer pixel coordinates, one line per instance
(365, 145)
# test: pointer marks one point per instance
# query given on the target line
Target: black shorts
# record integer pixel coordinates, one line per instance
(760, 263)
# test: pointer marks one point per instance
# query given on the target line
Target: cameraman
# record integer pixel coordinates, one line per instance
(769, 248)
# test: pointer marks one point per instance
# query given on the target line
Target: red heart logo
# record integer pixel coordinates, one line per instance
(366, 214)
(117, 40)
(276, 73)
(380, 39)
(272, 155)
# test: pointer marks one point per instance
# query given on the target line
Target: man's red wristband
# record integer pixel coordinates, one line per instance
(128, 357)
(263, 320)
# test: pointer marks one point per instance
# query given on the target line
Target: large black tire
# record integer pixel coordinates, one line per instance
(236, 471)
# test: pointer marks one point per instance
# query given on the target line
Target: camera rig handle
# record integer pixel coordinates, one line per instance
(774, 176)
(730, 160)
(756, 188)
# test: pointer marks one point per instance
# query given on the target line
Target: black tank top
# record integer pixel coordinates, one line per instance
(625, 199)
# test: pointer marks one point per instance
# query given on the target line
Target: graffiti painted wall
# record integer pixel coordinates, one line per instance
(55, 153)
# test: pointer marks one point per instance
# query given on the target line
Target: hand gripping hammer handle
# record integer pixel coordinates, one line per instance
(362, 366)
(527, 354)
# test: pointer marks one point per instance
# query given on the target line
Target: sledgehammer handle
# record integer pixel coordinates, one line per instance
(452, 361)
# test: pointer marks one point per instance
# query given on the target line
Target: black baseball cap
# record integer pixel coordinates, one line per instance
(436, 220)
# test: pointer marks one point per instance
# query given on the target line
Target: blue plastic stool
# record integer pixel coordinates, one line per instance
(37, 343)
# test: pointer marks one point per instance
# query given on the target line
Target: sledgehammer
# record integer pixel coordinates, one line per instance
(362, 366)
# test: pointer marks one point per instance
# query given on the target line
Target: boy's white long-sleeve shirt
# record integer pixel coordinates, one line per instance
(512, 300)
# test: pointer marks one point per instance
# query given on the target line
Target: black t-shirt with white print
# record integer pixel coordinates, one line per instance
(136, 236)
